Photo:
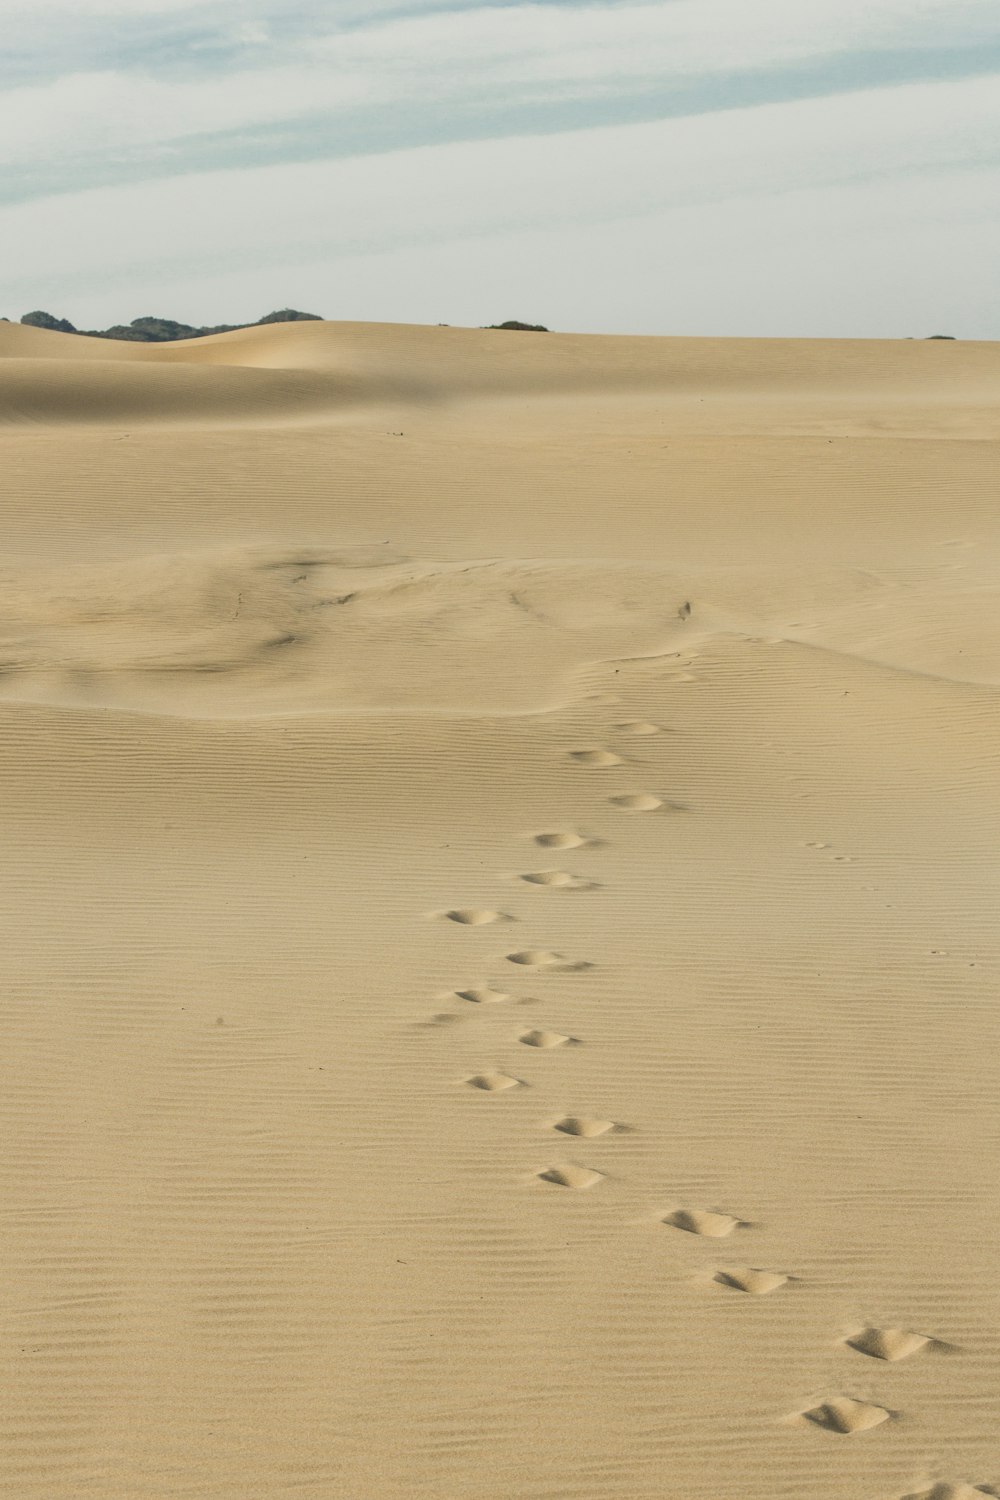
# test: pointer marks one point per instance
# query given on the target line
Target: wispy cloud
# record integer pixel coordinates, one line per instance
(511, 65)
(145, 142)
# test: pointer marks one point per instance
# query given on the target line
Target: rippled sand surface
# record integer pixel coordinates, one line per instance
(499, 990)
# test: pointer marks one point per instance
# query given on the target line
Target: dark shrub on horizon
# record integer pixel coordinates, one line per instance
(161, 330)
(153, 331)
(527, 327)
(46, 320)
(287, 315)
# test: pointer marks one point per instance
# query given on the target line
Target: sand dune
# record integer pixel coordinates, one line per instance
(500, 986)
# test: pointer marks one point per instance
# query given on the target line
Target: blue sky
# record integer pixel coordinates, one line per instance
(814, 167)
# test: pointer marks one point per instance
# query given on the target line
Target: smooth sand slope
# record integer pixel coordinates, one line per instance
(501, 979)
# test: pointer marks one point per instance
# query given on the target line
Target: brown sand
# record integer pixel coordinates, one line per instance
(609, 724)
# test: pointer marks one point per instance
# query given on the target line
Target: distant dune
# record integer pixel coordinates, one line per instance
(499, 993)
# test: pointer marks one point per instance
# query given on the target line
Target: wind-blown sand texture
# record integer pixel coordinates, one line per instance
(500, 986)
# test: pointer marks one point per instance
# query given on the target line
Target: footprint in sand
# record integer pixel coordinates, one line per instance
(548, 1039)
(472, 916)
(751, 1280)
(571, 1177)
(637, 801)
(558, 880)
(482, 995)
(560, 840)
(846, 1416)
(703, 1221)
(493, 1083)
(638, 726)
(598, 759)
(952, 1492)
(888, 1343)
(544, 958)
(584, 1126)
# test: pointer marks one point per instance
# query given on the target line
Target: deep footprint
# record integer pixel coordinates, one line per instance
(475, 917)
(560, 840)
(846, 1416)
(571, 1177)
(483, 995)
(702, 1221)
(583, 1126)
(595, 758)
(560, 879)
(535, 958)
(952, 1492)
(751, 1280)
(546, 1039)
(493, 1083)
(888, 1343)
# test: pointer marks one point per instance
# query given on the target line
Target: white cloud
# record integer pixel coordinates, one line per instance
(251, 34)
(26, 25)
(480, 57)
(677, 37)
(120, 114)
(20, 21)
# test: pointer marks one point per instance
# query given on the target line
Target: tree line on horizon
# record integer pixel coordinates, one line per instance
(166, 330)
(161, 330)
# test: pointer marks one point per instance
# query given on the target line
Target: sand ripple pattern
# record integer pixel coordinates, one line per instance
(840, 1414)
(293, 663)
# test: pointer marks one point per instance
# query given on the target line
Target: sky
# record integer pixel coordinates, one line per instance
(821, 168)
